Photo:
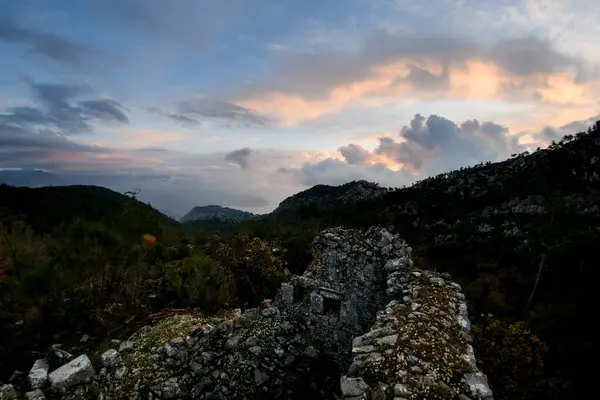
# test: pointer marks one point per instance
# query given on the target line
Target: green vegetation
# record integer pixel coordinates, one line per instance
(91, 270)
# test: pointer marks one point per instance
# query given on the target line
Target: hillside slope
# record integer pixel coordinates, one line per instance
(45, 208)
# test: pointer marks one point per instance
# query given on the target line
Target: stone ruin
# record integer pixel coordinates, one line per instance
(360, 323)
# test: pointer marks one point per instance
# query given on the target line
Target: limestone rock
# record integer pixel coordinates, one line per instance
(36, 394)
(111, 358)
(7, 392)
(353, 387)
(38, 375)
(71, 374)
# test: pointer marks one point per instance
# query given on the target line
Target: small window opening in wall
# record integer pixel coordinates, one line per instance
(331, 305)
(299, 293)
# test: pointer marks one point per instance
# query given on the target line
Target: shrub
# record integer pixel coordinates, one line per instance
(513, 358)
(199, 281)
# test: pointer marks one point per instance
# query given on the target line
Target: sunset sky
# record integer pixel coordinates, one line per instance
(245, 102)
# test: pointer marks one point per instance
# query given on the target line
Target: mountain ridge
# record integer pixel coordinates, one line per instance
(214, 211)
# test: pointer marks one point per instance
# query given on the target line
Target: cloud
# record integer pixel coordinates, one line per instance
(530, 56)
(355, 154)
(177, 118)
(58, 112)
(54, 47)
(105, 109)
(389, 68)
(239, 157)
(549, 133)
(425, 147)
(217, 109)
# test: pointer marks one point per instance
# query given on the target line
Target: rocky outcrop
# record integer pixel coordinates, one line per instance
(361, 322)
(351, 192)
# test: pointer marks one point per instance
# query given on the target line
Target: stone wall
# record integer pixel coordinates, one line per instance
(360, 311)
(342, 289)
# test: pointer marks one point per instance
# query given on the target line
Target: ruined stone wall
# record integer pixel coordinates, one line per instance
(360, 310)
(342, 289)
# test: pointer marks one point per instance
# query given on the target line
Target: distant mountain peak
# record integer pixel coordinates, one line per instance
(214, 211)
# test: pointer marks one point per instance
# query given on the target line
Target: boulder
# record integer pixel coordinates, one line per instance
(111, 358)
(38, 375)
(7, 392)
(353, 387)
(71, 374)
(36, 394)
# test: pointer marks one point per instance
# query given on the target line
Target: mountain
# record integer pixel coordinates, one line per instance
(216, 212)
(350, 192)
(28, 177)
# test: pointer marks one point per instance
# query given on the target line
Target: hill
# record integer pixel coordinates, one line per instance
(216, 212)
(47, 207)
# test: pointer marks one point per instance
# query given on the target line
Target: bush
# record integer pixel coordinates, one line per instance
(513, 358)
(199, 281)
(257, 272)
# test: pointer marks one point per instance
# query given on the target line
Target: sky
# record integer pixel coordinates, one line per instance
(245, 102)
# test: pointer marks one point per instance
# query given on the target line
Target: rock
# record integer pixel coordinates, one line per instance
(57, 356)
(234, 341)
(111, 358)
(38, 375)
(15, 376)
(71, 374)
(270, 311)
(387, 340)
(7, 392)
(311, 352)
(478, 385)
(37, 394)
(353, 387)
(85, 339)
(260, 377)
(125, 345)
(120, 372)
(170, 389)
(401, 390)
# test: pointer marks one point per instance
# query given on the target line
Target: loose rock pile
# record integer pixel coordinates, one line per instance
(360, 307)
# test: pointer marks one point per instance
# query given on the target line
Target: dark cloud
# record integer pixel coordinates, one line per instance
(178, 118)
(105, 109)
(49, 45)
(24, 147)
(438, 144)
(240, 157)
(222, 110)
(557, 133)
(355, 154)
(529, 56)
(424, 79)
(59, 111)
